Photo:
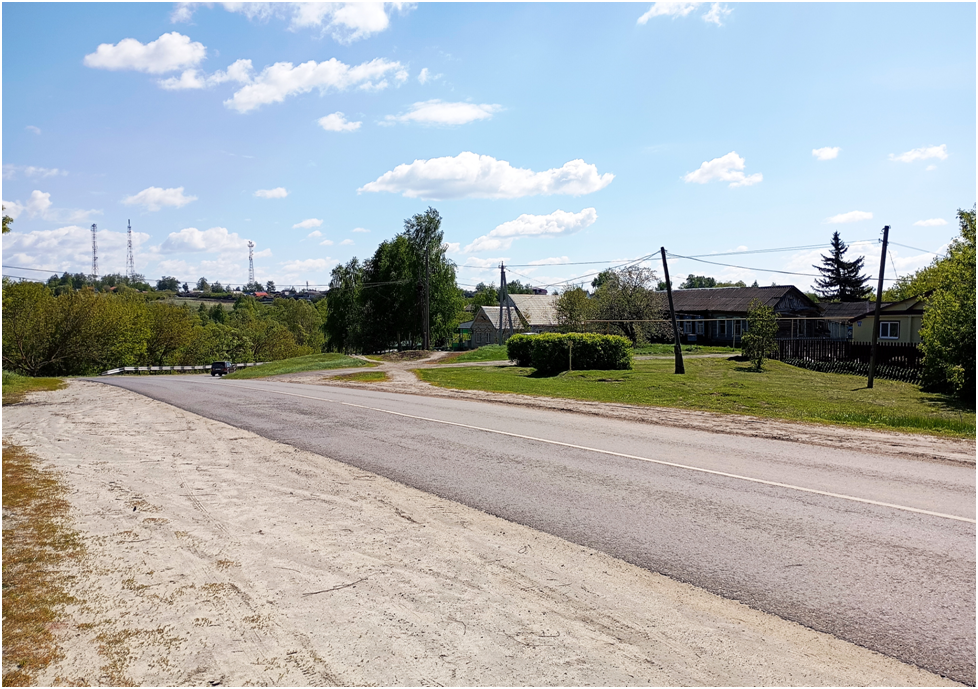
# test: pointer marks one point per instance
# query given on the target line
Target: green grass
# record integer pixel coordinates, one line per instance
(719, 385)
(667, 349)
(15, 386)
(364, 377)
(486, 353)
(312, 362)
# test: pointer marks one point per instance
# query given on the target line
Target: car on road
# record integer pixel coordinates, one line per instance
(221, 368)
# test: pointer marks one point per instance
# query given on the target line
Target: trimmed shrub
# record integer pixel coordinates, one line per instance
(553, 352)
(519, 347)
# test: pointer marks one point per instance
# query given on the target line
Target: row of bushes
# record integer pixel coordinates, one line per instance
(554, 352)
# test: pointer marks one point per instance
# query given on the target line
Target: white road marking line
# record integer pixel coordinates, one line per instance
(627, 456)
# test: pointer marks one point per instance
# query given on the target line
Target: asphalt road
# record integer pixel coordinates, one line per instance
(876, 550)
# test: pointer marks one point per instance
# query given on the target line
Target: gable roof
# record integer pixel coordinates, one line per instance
(536, 309)
(847, 309)
(491, 313)
(735, 299)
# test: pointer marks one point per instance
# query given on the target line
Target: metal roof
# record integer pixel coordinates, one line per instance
(536, 309)
(733, 299)
(492, 314)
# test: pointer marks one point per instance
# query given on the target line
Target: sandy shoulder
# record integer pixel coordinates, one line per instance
(217, 556)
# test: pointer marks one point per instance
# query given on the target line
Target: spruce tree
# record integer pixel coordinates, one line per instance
(842, 280)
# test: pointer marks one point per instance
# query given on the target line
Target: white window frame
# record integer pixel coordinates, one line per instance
(889, 326)
(699, 327)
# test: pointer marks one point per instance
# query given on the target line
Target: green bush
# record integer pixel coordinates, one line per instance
(553, 352)
(519, 348)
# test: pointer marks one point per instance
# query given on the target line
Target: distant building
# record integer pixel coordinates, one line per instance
(899, 322)
(521, 313)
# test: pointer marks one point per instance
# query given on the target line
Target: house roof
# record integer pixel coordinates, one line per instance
(847, 309)
(536, 309)
(733, 299)
(492, 314)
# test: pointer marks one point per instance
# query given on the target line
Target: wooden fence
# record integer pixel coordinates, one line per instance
(894, 360)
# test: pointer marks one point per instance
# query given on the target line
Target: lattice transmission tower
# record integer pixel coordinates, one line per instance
(130, 263)
(94, 252)
(251, 262)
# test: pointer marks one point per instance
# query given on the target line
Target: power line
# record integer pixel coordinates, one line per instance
(760, 270)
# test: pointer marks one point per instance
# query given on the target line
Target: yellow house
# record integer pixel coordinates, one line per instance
(899, 322)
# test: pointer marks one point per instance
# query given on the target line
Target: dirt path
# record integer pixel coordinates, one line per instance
(216, 556)
(403, 380)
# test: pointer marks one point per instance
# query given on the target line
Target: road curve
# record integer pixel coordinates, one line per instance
(876, 550)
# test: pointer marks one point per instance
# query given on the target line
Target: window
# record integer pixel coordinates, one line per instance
(688, 327)
(699, 327)
(721, 327)
(890, 330)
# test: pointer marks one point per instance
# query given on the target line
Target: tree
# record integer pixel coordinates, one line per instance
(7, 221)
(202, 285)
(574, 308)
(517, 287)
(626, 295)
(947, 335)
(302, 320)
(270, 286)
(169, 283)
(759, 341)
(170, 329)
(485, 295)
(841, 280)
(698, 282)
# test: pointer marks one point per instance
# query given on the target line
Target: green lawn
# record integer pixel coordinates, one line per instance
(487, 353)
(15, 387)
(719, 385)
(687, 349)
(312, 362)
(364, 377)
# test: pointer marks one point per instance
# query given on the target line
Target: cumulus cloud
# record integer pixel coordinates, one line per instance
(294, 269)
(67, 248)
(40, 204)
(155, 198)
(555, 224)
(344, 21)
(826, 153)
(183, 12)
(360, 229)
(668, 9)
(326, 242)
(276, 193)
(716, 14)
(10, 171)
(283, 79)
(851, 216)
(555, 261)
(169, 52)
(240, 71)
(425, 75)
(932, 222)
(192, 240)
(306, 224)
(337, 122)
(924, 153)
(32, 128)
(439, 112)
(728, 168)
(314, 233)
(469, 175)
(346, 242)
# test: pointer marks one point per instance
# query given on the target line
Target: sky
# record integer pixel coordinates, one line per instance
(558, 138)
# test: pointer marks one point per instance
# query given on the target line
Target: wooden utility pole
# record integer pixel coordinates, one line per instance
(426, 345)
(502, 300)
(876, 313)
(680, 368)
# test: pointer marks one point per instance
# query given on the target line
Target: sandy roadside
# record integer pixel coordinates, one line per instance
(217, 556)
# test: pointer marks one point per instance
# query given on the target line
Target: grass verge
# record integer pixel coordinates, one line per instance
(724, 386)
(36, 541)
(15, 386)
(667, 349)
(487, 353)
(312, 362)
(364, 377)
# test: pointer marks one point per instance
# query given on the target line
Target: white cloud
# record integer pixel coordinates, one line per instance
(924, 153)
(344, 21)
(360, 229)
(337, 122)
(556, 261)
(827, 153)
(668, 9)
(69, 248)
(452, 247)
(283, 79)
(10, 171)
(183, 12)
(930, 168)
(483, 263)
(469, 175)
(276, 193)
(728, 168)
(346, 242)
(314, 233)
(326, 242)
(424, 76)
(155, 198)
(169, 52)
(438, 112)
(192, 240)
(306, 224)
(32, 128)
(556, 224)
(240, 71)
(39, 204)
(851, 216)
(309, 265)
(932, 222)
(716, 14)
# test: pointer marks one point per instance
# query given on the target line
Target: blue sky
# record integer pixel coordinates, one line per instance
(544, 134)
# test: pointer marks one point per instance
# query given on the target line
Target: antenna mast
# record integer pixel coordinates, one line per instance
(251, 262)
(130, 264)
(94, 252)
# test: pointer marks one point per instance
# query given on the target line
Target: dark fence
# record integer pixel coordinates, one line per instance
(894, 360)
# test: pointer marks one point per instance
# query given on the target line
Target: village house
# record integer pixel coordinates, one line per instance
(521, 313)
(899, 322)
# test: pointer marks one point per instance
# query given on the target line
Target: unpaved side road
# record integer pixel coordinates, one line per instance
(217, 556)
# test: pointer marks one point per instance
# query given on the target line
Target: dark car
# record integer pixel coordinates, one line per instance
(221, 368)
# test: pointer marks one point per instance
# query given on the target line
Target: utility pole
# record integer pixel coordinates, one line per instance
(680, 368)
(251, 263)
(502, 300)
(130, 263)
(94, 252)
(426, 345)
(876, 313)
